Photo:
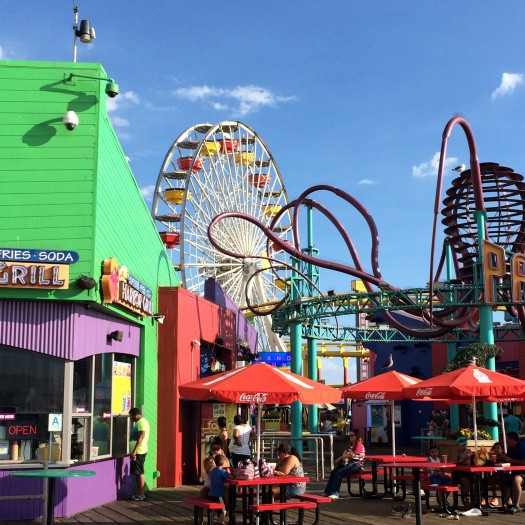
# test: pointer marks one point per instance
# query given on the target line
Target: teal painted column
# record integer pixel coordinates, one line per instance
(451, 347)
(486, 327)
(313, 419)
(296, 357)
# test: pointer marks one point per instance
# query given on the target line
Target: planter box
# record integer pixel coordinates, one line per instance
(449, 446)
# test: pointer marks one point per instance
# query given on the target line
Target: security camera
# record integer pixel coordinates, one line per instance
(70, 120)
(112, 89)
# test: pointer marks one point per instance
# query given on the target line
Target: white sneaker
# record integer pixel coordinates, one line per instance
(334, 496)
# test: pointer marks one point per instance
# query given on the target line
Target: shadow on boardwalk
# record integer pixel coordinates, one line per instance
(165, 506)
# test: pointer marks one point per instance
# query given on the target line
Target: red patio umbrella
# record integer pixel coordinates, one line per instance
(387, 386)
(468, 382)
(259, 384)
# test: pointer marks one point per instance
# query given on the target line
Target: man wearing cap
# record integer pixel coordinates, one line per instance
(515, 456)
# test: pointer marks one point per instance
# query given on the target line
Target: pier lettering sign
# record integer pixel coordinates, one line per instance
(38, 256)
(22, 275)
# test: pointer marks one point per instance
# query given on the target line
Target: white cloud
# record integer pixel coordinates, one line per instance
(430, 169)
(123, 100)
(1, 52)
(366, 181)
(196, 92)
(509, 82)
(147, 192)
(249, 98)
(119, 122)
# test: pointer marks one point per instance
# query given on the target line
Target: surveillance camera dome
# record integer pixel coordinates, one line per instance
(112, 89)
(70, 120)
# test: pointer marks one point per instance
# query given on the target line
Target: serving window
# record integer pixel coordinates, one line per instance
(91, 396)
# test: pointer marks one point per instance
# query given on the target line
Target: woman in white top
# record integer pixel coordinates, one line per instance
(242, 436)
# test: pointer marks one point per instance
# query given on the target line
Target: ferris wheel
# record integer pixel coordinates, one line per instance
(213, 169)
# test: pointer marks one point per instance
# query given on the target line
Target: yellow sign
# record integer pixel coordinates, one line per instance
(495, 267)
(120, 287)
(121, 387)
(27, 275)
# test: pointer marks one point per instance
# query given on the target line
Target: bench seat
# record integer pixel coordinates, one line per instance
(318, 500)
(202, 503)
(444, 490)
(266, 509)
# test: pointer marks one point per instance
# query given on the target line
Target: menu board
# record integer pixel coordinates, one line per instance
(121, 387)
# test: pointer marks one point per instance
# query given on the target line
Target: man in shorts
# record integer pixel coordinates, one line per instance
(139, 448)
(513, 480)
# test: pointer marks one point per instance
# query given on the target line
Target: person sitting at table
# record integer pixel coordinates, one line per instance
(208, 465)
(289, 464)
(515, 456)
(494, 480)
(463, 455)
(218, 476)
(436, 476)
(351, 462)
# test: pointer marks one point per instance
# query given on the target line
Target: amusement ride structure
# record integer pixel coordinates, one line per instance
(208, 170)
(482, 258)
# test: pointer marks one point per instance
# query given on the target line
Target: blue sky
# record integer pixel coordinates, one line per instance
(352, 94)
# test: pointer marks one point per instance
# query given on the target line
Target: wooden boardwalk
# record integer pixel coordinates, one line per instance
(165, 506)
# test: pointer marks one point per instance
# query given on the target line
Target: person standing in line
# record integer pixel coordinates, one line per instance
(242, 436)
(139, 448)
(223, 437)
(512, 423)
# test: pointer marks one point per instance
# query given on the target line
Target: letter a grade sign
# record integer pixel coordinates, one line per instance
(55, 423)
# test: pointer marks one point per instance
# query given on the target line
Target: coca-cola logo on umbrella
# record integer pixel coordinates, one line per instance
(375, 395)
(258, 397)
(424, 391)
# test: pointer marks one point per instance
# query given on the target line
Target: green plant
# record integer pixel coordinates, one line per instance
(469, 434)
(481, 351)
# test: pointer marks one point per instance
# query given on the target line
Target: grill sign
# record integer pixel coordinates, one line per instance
(20, 275)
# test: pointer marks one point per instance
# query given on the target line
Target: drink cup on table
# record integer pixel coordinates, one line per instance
(493, 458)
(444, 458)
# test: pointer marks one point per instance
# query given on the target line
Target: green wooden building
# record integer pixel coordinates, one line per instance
(80, 265)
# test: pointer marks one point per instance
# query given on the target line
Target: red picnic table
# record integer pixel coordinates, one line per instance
(416, 467)
(248, 487)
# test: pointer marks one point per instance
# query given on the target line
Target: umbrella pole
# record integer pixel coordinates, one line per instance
(258, 453)
(504, 441)
(393, 428)
(258, 442)
(475, 420)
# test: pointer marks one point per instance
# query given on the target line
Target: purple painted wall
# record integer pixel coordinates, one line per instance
(245, 330)
(65, 330)
(112, 481)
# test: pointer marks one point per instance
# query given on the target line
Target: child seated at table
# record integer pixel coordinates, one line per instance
(495, 480)
(436, 476)
(216, 493)
(463, 457)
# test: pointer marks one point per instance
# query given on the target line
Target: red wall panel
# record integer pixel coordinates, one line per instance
(187, 318)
